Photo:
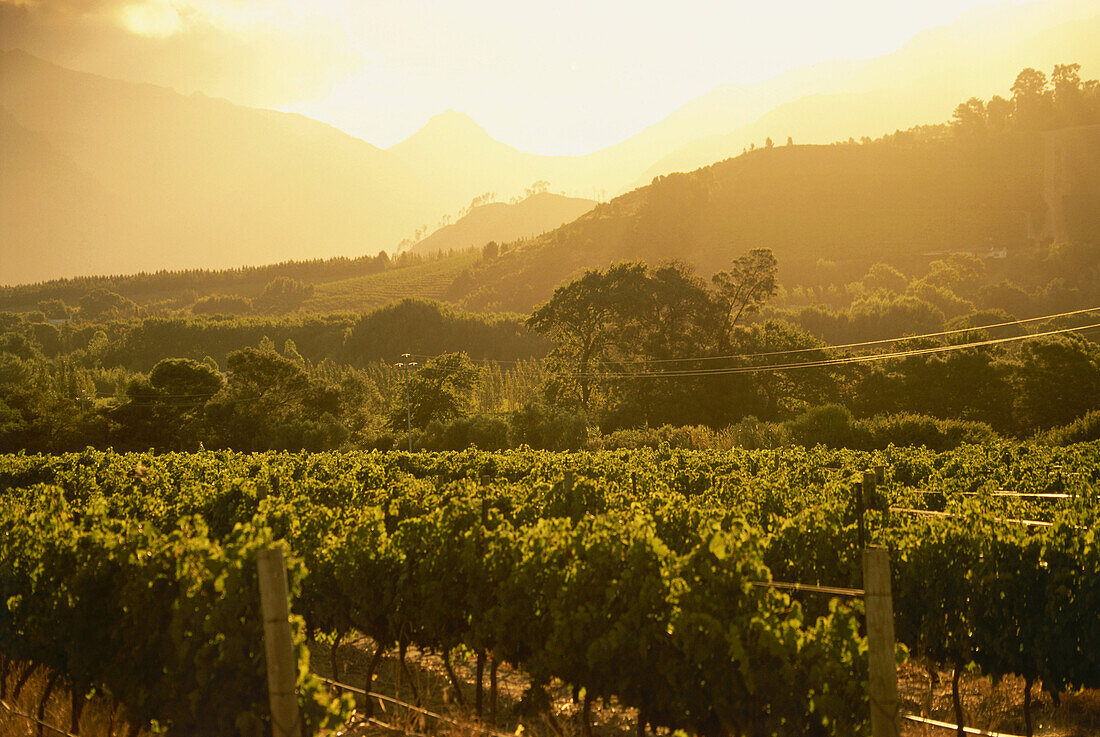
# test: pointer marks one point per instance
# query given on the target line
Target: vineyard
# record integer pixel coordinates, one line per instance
(640, 576)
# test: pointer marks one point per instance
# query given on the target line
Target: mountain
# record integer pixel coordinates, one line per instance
(920, 84)
(103, 176)
(106, 176)
(502, 222)
(816, 207)
(977, 54)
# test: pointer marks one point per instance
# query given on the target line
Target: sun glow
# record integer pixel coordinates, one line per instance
(158, 19)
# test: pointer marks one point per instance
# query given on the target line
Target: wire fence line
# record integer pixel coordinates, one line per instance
(809, 588)
(955, 727)
(1009, 520)
(996, 493)
(36, 720)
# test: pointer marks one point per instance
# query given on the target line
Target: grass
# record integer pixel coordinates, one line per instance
(363, 293)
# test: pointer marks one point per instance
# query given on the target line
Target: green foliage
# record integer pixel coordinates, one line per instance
(430, 328)
(748, 284)
(483, 432)
(100, 303)
(438, 391)
(270, 402)
(168, 623)
(830, 425)
(1082, 430)
(222, 304)
(884, 276)
(547, 428)
(881, 431)
(635, 582)
(284, 294)
(1058, 380)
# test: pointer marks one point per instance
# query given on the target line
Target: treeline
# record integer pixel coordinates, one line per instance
(1037, 104)
(634, 348)
(137, 344)
(180, 286)
(637, 346)
(956, 290)
(630, 348)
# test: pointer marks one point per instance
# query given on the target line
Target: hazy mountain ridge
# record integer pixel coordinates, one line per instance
(157, 180)
(503, 221)
(929, 98)
(919, 83)
(883, 201)
(193, 181)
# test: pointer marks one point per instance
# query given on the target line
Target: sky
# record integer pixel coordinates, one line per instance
(560, 77)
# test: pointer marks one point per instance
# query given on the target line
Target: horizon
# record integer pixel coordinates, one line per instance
(548, 100)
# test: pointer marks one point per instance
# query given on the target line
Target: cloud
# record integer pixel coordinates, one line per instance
(255, 52)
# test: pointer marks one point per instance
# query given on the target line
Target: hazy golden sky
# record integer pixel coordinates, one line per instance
(546, 77)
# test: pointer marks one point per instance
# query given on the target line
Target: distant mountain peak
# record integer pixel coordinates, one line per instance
(452, 123)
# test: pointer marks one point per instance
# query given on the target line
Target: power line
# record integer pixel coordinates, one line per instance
(881, 341)
(863, 358)
(839, 346)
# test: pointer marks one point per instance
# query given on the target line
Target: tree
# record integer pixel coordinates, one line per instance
(747, 285)
(1057, 381)
(583, 319)
(969, 118)
(998, 114)
(283, 294)
(271, 403)
(55, 309)
(102, 302)
(166, 410)
(439, 391)
(1031, 99)
(884, 276)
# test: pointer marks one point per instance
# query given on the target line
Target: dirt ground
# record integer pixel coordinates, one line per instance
(987, 707)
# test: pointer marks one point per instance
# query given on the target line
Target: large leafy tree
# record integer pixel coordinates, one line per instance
(166, 409)
(440, 390)
(587, 319)
(1057, 380)
(747, 285)
(271, 403)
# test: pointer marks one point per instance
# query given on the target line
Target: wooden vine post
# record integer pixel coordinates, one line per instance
(880, 641)
(282, 670)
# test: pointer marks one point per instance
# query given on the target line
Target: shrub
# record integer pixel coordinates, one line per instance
(1082, 430)
(934, 433)
(752, 434)
(548, 428)
(483, 431)
(829, 424)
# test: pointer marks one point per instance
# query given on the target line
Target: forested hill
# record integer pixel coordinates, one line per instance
(889, 200)
(500, 221)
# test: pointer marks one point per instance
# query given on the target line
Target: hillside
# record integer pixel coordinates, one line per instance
(920, 84)
(882, 201)
(501, 222)
(103, 176)
(430, 280)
